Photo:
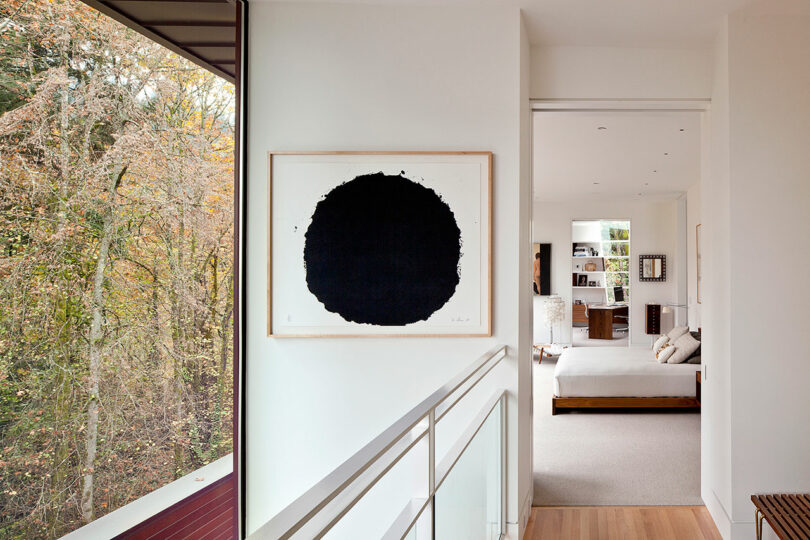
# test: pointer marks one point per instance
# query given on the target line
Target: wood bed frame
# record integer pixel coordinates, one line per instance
(624, 403)
(690, 403)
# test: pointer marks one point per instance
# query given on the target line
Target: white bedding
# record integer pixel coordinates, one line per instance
(620, 372)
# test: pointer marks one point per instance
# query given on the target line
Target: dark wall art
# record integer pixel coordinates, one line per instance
(382, 250)
(379, 244)
(541, 269)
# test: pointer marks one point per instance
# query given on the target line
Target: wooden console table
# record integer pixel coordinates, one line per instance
(787, 514)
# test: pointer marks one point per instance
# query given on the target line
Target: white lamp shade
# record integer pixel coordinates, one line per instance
(554, 310)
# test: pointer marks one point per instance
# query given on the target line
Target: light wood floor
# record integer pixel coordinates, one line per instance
(621, 523)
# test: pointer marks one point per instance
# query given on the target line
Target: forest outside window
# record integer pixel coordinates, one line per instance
(116, 284)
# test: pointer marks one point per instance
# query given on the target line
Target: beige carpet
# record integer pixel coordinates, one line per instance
(612, 458)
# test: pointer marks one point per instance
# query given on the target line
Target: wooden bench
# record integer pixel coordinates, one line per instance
(787, 514)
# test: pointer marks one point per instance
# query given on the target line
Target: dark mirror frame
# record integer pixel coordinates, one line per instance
(641, 259)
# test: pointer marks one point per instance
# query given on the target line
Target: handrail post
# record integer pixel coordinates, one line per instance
(432, 470)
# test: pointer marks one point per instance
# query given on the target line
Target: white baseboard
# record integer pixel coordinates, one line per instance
(525, 510)
(718, 514)
(515, 531)
(729, 529)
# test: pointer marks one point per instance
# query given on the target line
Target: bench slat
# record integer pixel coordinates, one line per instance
(787, 514)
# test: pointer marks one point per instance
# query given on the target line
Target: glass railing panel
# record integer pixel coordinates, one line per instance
(468, 503)
(378, 508)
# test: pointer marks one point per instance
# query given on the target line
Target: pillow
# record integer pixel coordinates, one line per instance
(677, 332)
(695, 335)
(684, 347)
(660, 342)
(665, 353)
(694, 359)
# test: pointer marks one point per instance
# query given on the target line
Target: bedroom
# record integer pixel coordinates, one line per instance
(616, 218)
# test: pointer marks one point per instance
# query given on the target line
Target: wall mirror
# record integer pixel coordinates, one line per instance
(652, 267)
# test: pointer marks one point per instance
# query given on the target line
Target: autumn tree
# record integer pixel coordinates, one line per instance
(116, 224)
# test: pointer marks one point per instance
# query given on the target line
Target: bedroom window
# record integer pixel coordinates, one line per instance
(616, 250)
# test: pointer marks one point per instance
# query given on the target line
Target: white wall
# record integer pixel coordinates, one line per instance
(362, 77)
(756, 207)
(693, 213)
(525, 320)
(680, 273)
(569, 72)
(653, 231)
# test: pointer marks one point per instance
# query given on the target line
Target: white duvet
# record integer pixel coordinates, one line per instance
(620, 372)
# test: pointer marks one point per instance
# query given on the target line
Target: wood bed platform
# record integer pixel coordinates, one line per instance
(571, 403)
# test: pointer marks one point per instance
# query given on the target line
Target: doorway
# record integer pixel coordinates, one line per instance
(610, 185)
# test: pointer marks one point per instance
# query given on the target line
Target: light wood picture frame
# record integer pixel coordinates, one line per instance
(698, 261)
(306, 275)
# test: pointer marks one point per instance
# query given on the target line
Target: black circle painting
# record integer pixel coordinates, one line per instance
(382, 250)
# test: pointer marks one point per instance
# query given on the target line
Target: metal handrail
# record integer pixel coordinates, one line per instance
(364, 463)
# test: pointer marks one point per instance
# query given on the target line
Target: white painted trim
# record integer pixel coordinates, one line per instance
(526, 509)
(628, 105)
(728, 528)
(121, 520)
(718, 514)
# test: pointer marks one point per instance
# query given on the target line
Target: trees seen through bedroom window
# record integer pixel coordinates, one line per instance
(616, 250)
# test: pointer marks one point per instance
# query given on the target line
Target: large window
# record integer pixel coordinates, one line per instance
(116, 286)
(616, 249)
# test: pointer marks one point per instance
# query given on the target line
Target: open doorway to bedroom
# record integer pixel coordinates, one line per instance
(612, 424)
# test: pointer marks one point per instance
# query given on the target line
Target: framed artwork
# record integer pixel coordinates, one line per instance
(541, 269)
(698, 261)
(582, 280)
(652, 268)
(379, 244)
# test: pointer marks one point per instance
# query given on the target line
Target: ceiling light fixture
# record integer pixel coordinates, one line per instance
(666, 153)
(683, 129)
(600, 128)
(596, 183)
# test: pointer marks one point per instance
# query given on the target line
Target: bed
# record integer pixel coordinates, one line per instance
(619, 377)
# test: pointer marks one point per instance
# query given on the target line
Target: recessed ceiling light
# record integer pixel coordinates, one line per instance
(600, 128)
(683, 129)
(666, 153)
(596, 183)
(655, 170)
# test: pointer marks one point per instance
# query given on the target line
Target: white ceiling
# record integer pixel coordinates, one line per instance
(638, 155)
(618, 23)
